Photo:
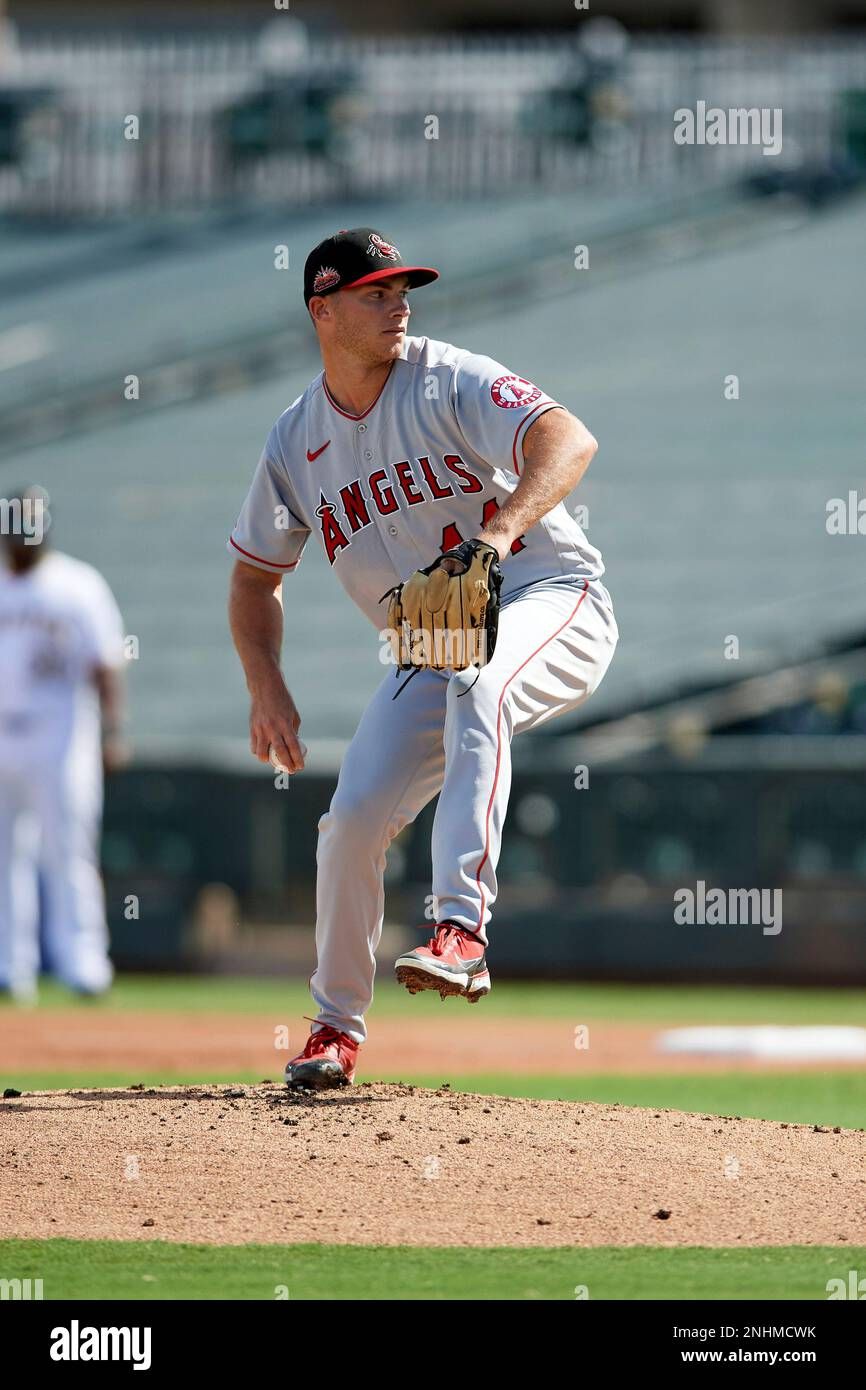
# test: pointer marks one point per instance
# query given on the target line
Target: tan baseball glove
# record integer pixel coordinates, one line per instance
(441, 620)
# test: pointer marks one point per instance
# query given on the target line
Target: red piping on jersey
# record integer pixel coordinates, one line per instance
(345, 413)
(273, 564)
(542, 405)
(484, 856)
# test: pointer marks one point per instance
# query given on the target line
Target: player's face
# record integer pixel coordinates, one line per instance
(371, 320)
(18, 556)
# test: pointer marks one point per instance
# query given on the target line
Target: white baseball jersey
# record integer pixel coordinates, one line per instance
(425, 467)
(57, 622)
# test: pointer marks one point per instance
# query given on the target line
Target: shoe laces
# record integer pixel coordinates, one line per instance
(325, 1037)
(444, 935)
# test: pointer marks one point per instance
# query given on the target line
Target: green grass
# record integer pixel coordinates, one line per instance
(820, 1098)
(669, 1005)
(828, 1098)
(162, 1270)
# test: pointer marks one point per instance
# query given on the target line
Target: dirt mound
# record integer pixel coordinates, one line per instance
(398, 1164)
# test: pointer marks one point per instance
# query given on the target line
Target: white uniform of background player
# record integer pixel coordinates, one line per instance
(425, 466)
(60, 631)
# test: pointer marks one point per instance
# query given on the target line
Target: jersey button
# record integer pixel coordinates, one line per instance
(392, 530)
(368, 453)
(362, 429)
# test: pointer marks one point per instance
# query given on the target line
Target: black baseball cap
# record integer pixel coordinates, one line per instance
(357, 257)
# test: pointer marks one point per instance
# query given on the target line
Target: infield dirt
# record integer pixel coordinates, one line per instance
(203, 1045)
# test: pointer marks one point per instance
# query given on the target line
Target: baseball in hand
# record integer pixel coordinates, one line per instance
(275, 762)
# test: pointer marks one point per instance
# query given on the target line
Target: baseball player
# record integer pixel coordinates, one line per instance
(401, 450)
(61, 649)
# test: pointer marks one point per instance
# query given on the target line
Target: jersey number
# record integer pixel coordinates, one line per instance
(451, 536)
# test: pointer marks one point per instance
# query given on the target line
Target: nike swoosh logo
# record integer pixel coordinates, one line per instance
(311, 457)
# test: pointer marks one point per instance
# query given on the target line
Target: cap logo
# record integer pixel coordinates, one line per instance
(380, 247)
(326, 278)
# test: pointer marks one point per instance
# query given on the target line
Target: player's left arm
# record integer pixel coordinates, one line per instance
(557, 450)
(110, 688)
(103, 635)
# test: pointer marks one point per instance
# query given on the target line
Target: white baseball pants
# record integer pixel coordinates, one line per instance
(50, 814)
(449, 734)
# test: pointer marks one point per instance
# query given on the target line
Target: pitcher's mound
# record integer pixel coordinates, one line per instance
(402, 1165)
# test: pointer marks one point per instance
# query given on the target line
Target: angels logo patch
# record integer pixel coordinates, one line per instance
(511, 392)
(326, 278)
(379, 247)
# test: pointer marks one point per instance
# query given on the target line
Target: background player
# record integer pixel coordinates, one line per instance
(401, 448)
(61, 649)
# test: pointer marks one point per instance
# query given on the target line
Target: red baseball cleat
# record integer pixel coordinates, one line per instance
(452, 962)
(328, 1060)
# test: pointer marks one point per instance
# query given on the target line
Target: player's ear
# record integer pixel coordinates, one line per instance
(321, 307)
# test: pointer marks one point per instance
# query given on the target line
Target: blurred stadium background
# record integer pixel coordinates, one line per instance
(155, 256)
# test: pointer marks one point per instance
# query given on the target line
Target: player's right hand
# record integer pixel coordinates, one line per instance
(274, 724)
